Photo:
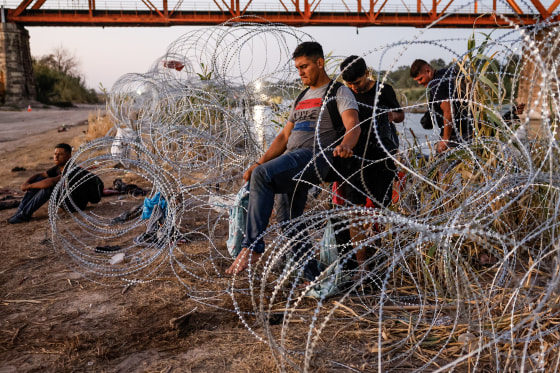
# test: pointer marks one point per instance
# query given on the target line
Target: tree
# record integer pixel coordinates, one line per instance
(63, 61)
(58, 81)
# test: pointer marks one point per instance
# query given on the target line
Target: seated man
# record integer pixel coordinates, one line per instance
(39, 187)
(81, 187)
(295, 152)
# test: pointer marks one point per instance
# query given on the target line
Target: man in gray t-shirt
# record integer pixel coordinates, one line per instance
(304, 116)
(298, 145)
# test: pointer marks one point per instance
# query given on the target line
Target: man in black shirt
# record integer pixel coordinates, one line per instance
(371, 171)
(451, 115)
(39, 187)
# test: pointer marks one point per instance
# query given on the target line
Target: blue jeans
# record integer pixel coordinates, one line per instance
(33, 199)
(281, 176)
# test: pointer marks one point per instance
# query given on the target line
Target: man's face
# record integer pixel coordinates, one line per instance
(359, 85)
(425, 76)
(309, 70)
(61, 156)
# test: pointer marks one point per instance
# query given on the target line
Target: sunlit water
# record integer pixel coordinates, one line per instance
(410, 131)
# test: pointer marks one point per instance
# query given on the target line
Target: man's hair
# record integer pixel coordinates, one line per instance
(352, 68)
(64, 146)
(417, 67)
(310, 49)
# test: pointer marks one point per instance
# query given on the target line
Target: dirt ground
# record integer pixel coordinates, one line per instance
(55, 320)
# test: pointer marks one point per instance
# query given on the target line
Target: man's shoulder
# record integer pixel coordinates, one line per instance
(331, 89)
(53, 171)
(385, 87)
(443, 82)
(342, 90)
(445, 74)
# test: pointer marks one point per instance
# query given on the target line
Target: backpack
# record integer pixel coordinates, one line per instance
(83, 187)
(95, 188)
(339, 164)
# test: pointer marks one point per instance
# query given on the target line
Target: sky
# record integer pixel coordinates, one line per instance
(105, 54)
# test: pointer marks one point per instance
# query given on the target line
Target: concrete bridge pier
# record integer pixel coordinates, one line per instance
(540, 74)
(16, 73)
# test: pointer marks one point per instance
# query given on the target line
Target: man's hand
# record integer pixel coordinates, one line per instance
(442, 146)
(343, 151)
(249, 172)
(395, 116)
(32, 179)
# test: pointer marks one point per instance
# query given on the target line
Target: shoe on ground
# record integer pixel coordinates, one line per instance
(18, 218)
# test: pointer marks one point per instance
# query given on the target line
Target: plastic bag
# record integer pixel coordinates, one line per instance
(237, 221)
(328, 283)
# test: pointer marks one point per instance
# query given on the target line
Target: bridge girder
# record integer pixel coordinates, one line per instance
(289, 12)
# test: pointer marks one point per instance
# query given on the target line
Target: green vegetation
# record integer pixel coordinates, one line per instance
(411, 92)
(58, 82)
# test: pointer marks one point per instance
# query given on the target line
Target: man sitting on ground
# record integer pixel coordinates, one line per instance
(296, 149)
(81, 187)
(39, 187)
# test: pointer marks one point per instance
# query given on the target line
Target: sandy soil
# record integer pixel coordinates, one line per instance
(54, 320)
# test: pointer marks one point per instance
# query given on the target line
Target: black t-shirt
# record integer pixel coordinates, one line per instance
(442, 88)
(53, 171)
(387, 101)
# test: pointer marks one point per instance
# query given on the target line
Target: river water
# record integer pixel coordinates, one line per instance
(264, 129)
(411, 129)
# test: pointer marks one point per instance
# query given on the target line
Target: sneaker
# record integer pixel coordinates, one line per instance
(19, 218)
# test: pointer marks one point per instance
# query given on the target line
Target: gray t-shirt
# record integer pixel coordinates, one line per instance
(305, 117)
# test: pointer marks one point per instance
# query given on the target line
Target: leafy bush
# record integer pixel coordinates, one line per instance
(58, 83)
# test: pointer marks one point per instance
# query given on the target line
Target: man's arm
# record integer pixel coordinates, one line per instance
(46, 182)
(276, 149)
(447, 126)
(351, 124)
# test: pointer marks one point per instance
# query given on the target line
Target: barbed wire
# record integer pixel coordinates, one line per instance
(462, 268)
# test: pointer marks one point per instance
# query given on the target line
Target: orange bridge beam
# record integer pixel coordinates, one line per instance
(291, 19)
(358, 13)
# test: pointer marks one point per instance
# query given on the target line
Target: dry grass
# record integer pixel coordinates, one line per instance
(56, 320)
(98, 126)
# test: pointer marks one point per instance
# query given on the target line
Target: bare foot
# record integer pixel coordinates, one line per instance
(245, 258)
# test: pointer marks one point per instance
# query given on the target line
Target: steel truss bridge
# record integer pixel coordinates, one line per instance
(358, 13)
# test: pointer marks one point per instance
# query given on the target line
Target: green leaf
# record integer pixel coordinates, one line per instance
(471, 43)
(489, 83)
(430, 254)
(493, 117)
